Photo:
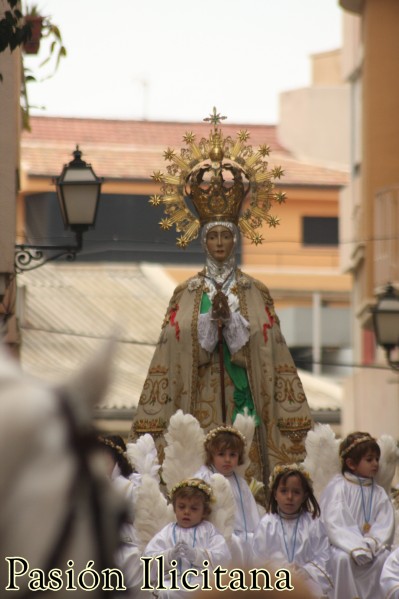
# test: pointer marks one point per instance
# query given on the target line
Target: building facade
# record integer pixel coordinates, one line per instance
(10, 128)
(369, 214)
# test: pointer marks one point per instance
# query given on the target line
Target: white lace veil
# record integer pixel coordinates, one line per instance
(214, 269)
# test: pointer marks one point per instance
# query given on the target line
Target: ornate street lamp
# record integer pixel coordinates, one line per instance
(78, 192)
(386, 323)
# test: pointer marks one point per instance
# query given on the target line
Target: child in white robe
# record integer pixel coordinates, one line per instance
(190, 543)
(359, 520)
(126, 481)
(224, 448)
(291, 534)
(390, 576)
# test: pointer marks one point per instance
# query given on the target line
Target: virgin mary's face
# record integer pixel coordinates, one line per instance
(219, 242)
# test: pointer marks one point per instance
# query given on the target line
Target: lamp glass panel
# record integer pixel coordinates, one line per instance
(78, 174)
(81, 203)
(62, 207)
(387, 322)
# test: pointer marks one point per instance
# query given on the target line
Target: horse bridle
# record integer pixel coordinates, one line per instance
(82, 443)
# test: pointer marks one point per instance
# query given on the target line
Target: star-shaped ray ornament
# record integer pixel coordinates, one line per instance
(214, 179)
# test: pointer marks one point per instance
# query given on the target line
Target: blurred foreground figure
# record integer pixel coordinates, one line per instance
(59, 516)
(300, 589)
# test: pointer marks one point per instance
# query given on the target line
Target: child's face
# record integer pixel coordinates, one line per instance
(367, 467)
(225, 461)
(290, 495)
(189, 511)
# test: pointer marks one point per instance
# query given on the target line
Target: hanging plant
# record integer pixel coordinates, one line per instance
(27, 29)
(13, 29)
(42, 28)
(35, 23)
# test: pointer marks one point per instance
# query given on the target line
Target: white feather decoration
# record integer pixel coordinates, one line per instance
(323, 462)
(224, 508)
(184, 452)
(246, 425)
(388, 461)
(322, 457)
(143, 456)
(151, 511)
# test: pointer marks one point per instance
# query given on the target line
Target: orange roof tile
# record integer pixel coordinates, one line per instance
(132, 150)
(135, 133)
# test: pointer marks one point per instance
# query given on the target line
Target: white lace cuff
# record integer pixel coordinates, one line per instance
(207, 332)
(236, 332)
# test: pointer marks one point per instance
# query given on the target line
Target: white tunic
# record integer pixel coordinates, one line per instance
(204, 536)
(128, 555)
(247, 514)
(346, 504)
(390, 576)
(298, 543)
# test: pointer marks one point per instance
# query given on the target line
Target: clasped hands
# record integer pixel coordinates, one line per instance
(362, 557)
(220, 307)
(365, 556)
(183, 551)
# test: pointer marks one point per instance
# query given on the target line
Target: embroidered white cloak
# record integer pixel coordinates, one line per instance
(390, 576)
(128, 555)
(247, 515)
(309, 548)
(204, 536)
(343, 515)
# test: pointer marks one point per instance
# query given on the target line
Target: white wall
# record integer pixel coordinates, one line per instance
(371, 402)
(10, 117)
(9, 152)
(297, 326)
(314, 124)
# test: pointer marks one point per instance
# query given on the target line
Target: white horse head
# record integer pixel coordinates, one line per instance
(57, 511)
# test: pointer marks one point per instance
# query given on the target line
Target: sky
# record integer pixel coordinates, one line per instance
(175, 59)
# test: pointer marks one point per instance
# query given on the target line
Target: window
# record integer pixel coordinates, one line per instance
(320, 230)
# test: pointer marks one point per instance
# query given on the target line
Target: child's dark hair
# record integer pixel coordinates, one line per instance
(116, 446)
(193, 488)
(222, 438)
(355, 446)
(281, 474)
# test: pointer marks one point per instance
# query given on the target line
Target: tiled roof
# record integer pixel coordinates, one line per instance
(69, 309)
(135, 133)
(322, 394)
(132, 150)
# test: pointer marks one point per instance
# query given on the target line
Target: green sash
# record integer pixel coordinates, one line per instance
(242, 396)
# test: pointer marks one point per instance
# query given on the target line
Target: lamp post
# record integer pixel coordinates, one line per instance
(78, 192)
(386, 323)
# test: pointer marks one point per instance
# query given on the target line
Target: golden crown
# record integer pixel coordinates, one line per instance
(217, 174)
(112, 445)
(197, 483)
(224, 429)
(283, 468)
(364, 439)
